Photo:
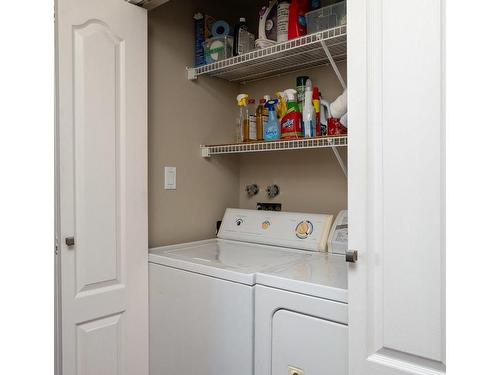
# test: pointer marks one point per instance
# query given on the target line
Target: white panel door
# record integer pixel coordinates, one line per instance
(102, 189)
(396, 187)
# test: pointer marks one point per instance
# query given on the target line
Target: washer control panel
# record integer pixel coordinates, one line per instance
(290, 229)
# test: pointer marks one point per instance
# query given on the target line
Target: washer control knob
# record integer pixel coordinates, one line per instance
(239, 222)
(304, 229)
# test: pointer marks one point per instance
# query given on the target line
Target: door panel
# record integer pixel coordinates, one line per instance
(95, 338)
(396, 188)
(99, 131)
(102, 128)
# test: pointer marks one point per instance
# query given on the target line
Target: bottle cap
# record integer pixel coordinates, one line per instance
(291, 95)
(242, 100)
(262, 101)
(301, 81)
(271, 104)
(251, 101)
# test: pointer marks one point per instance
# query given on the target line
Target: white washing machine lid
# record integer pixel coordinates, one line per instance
(320, 275)
(225, 259)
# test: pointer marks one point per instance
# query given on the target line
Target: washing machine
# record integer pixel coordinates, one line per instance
(202, 295)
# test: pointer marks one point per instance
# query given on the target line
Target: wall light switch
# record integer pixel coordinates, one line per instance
(170, 178)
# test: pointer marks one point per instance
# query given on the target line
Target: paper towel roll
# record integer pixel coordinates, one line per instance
(220, 28)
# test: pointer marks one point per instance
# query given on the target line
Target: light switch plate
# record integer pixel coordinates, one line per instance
(170, 178)
(295, 371)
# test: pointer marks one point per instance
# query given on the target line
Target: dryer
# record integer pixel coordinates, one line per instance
(301, 325)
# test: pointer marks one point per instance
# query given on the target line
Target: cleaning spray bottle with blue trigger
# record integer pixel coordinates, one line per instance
(272, 130)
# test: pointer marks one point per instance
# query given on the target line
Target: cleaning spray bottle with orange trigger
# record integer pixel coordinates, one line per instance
(291, 123)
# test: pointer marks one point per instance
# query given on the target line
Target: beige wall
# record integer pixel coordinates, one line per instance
(310, 180)
(184, 114)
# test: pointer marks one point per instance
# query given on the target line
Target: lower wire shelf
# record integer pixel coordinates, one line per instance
(281, 145)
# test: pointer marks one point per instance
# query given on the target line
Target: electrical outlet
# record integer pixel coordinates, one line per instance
(295, 371)
(269, 206)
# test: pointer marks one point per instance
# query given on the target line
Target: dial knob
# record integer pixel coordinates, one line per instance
(304, 229)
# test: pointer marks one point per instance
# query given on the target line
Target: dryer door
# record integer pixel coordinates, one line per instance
(302, 344)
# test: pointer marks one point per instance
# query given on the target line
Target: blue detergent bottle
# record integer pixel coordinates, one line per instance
(272, 129)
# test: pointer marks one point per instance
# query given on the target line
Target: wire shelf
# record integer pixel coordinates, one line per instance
(297, 54)
(282, 145)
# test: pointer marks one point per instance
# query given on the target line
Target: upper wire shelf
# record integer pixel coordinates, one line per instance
(297, 54)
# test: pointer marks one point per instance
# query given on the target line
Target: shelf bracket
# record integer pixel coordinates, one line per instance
(191, 74)
(333, 64)
(339, 159)
(205, 152)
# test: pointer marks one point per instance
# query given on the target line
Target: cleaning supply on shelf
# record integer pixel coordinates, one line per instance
(282, 19)
(272, 127)
(325, 116)
(339, 107)
(291, 123)
(317, 108)
(221, 28)
(218, 48)
(251, 134)
(335, 127)
(261, 117)
(282, 104)
(268, 26)
(240, 37)
(202, 32)
(297, 26)
(308, 112)
(243, 119)
(301, 89)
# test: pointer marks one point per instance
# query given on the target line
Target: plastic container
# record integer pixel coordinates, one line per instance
(326, 17)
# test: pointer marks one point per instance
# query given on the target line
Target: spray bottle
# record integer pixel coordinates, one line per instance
(308, 113)
(281, 105)
(291, 123)
(272, 127)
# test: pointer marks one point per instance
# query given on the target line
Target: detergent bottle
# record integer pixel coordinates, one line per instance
(272, 127)
(291, 123)
(297, 18)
